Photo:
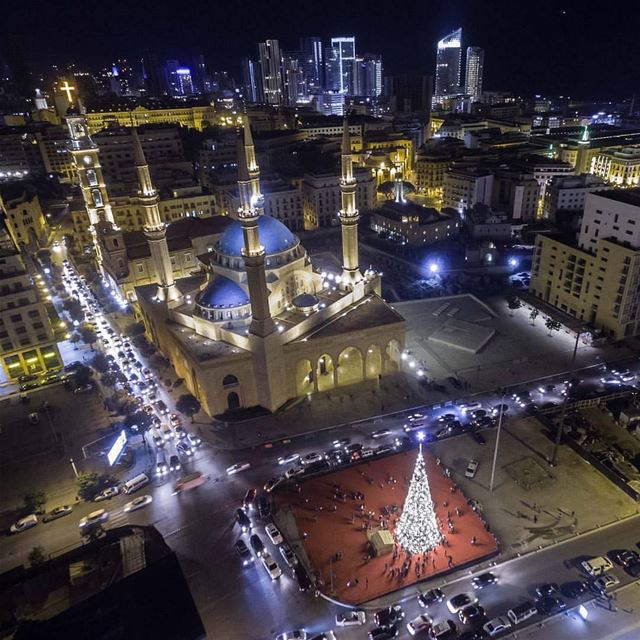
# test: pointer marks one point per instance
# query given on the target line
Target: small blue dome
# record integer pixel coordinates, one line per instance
(222, 293)
(305, 300)
(274, 236)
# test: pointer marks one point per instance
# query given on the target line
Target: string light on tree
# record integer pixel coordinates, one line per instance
(417, 530)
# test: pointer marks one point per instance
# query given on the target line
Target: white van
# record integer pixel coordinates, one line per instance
(597, 566)
(135, 483)
(522, 612)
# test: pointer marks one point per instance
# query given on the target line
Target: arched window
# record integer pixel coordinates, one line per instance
(229, 381)
(92, 179)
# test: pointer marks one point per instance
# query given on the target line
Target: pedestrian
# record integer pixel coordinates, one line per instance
(473, 540)
(449, 561)
(366, 583)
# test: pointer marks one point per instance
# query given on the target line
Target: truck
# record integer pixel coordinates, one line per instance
(190, 481)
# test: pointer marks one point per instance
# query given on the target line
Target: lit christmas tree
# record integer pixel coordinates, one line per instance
(417, 530)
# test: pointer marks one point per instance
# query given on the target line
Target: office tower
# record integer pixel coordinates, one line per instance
(367, 76)
(153, 76)
(179, 79)
(251, 80)
(199, 74)
(295, 89)
(331, 69)
(311, 63)
(410, 93)
(449, 64)
(344, 55)
(122, 78)
(271, 71)
(473, 76)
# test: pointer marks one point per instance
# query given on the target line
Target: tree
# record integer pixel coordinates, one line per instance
(135, 329)
(36, 556)
(88, 335)
(514, 304)
(417, 530)
(74, 339)
(552, 325)
(34, 501)
(74, 309)
(83, 376)
(188, 404)
(533, 315)
(100, 363)
(138, 422)
(109, 379)
(158, 361)
(91, 483)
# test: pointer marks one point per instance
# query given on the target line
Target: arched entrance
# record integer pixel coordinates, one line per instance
(233, 401)
(304, 377)
(349, 366)
(325, 373)
(373, 362)
(392, 357)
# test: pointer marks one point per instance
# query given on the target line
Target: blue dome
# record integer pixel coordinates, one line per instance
(222, 293)
(274, 236)
(305, 300)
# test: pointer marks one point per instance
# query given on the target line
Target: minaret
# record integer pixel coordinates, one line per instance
(155, 229)
(251, 208)
(398, 187)
(349, 214)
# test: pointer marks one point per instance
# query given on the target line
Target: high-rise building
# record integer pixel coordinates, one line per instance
(179, 79)
(153, 76)
(344, 57)
(295, 87)
(410, 93)
(367, 76)
(311, 63)
(251, 80)
(473, 76)
(271, 71)
(449, 64)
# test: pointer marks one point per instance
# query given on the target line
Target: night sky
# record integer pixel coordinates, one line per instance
(543, 46)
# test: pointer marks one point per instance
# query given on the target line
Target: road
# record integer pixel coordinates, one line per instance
(244, 603)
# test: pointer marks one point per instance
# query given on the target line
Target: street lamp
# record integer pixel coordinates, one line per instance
(514, 262)
(495, 451)
(433, 267)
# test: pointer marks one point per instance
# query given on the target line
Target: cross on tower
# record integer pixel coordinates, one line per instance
(67, 88)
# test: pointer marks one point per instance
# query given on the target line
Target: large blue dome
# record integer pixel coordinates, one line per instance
(222, 293)
(274, 237)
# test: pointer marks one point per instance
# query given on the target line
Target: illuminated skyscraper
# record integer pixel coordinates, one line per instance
(473, 76)
(449, 64)
(344, 55)
(311, 63)
(271, 71)
(251, 80)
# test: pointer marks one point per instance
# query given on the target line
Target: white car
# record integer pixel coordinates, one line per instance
(237, 467)
(472, 468)
(95, 517)
(380, 433)
(292, 457)
(310, 458)
(460, 601)
(470, 406)
(271, 566)
(24, 523)
(294, 471)
(297, 634)
(107, 494)
(194, 440)
(288, 556)
(274, 535)
(497, 625)
(138, 503)
(351, 618)
(421, 624)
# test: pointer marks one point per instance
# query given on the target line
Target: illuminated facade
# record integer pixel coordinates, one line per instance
(618, 167)
(474, 73)
(23, 215)
(449, 65)
(270, 59)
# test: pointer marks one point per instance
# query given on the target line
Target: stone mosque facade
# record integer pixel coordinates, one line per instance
(258, 325)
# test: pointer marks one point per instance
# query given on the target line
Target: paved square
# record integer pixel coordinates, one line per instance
(337, 527)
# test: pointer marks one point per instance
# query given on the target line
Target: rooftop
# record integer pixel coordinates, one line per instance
(626, 196)
(411, 212)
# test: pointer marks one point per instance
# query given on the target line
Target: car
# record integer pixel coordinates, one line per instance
(34, 418)
(271, 484)
(83, 389)
(478, 437)
(271, 566)
(249, 498)
(24, 523)
(497, 625)
(472, 468)
(147, 373)
(288, 556)
(336, 456)
(95, 517)
(467, 407)
(107, 494)
(264, 506)
(179, 431)
(341, 443)
(484, 580)
(274, 535)
(443, 630)
(256, 543)
(432, 596)
(184, 448)
(174, 420)
(447, 417)
(237, 467)
(460, 601)
(388, 616)
(161, 407)
(302, 577)
(633, 570)
(380, 433)
(550, 605)
(158, 440)
(546, 589)
(325, 635)
(602, 584)
(291, 457)
(138, 503)
(420, 624)
(500, 408)
(610, 381)
(243, 551)
(194, 439)
(471, 614)
(243, 520)
(573, 589)
(26, 386)
(296, 634)
(294, 471)
(384, 448)
(383, 633)
(174, 463)
(351, 618)
(624, 557)
(58, 512)
(310, 458)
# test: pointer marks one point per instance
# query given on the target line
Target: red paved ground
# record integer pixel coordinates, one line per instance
(329, 532)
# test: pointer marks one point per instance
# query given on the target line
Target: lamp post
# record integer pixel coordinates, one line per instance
(73, 466)
(495, 450)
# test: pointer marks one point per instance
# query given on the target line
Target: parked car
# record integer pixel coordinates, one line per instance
(472, 468)
(24, 523)
(296, 634)
(302, 577)
(433, 596)
(460, 601)
(249, 498)
(271, 566)
(194, 439)
(388, 616)
(107, 494)
(351, 618)
(443, 630)
(288, 556)
(497, 625)
(256, 543)
(484, 580)
(573, 589)
(383, 633)
(602, 584)
(274, 535)
(471, 614)
(243, 551)
(420, 624)
(311, 457)
(58, 512)
(550, 604)
(243, 520)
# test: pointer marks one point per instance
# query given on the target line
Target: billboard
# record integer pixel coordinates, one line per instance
(117, 448)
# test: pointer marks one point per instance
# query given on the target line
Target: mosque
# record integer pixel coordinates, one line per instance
(257, 325)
